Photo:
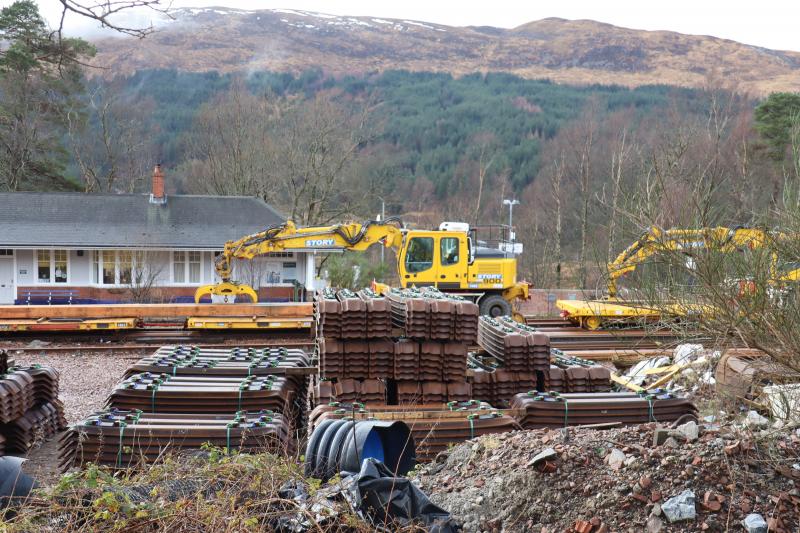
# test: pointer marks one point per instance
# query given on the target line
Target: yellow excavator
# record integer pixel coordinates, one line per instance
(594, 314)
(453, 258)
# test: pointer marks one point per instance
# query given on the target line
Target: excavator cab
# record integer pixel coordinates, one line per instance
(459, 259)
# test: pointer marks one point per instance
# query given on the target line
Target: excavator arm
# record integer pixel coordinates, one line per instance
(681, 240)
(289, 237)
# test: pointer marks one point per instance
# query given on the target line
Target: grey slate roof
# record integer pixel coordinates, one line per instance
(75, 220)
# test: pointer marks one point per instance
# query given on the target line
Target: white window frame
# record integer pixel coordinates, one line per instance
(186, 282)
(52, 267)
(98, 268)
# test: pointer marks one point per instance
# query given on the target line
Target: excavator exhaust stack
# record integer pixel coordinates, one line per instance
(227, 290)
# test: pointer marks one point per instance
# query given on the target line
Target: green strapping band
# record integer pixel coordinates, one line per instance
(471, 419)
(566, 412)
(119, 450)
(153, 397)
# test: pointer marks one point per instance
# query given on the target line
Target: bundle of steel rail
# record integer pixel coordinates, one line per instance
(430, 314)
(553, 410)
(434, 427)
(126, 438)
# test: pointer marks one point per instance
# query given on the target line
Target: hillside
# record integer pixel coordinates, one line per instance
(579, 52)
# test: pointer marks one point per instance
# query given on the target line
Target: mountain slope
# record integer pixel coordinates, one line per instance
(580, 51)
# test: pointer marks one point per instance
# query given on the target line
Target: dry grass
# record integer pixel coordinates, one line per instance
(211, 492)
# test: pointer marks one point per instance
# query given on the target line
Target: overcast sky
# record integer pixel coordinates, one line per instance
(768, 23)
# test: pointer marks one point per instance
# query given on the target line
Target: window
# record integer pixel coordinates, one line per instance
(179, 267)
(125, 267)
(52, 266)
(43, 268)
(60, 264)
(6, 251)
(96, 267)
(419, 256)
(449, 250)
(110, 267)
(194, 267)
(187, 267)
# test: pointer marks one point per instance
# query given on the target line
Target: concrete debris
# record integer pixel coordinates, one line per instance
(544, 455)
(756, 421)
(680, 507)
(615, 459)
(755, 523)
(654, 524)
(690, 430)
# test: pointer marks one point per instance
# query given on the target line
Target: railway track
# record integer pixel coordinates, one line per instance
(145, 340)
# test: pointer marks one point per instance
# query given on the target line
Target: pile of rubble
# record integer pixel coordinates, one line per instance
(643, 478)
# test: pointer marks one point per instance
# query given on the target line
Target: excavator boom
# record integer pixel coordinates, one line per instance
(289, 237)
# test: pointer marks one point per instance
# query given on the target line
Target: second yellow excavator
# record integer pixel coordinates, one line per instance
(453, 258)
(594, 314)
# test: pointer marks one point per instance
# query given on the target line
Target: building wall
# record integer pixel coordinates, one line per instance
(268, 275)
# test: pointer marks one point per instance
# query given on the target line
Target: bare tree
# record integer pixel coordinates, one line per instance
(557, 178)
(146, 270)
(306, 155)
(317, 152)
(110, 144)
(106, 12)
(230, 150)
(618, 158)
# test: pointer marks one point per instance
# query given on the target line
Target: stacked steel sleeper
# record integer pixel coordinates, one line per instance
(233, 398)
(425, 359)
(193, 360)
(125, 438)
(164, 393)
(430, 314)
(520, 348)
(552, 410)
(29, 407)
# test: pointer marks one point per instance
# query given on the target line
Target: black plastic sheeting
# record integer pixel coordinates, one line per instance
(385, 500)
(15, 485)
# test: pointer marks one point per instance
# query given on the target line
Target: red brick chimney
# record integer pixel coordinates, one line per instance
(157, 195)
